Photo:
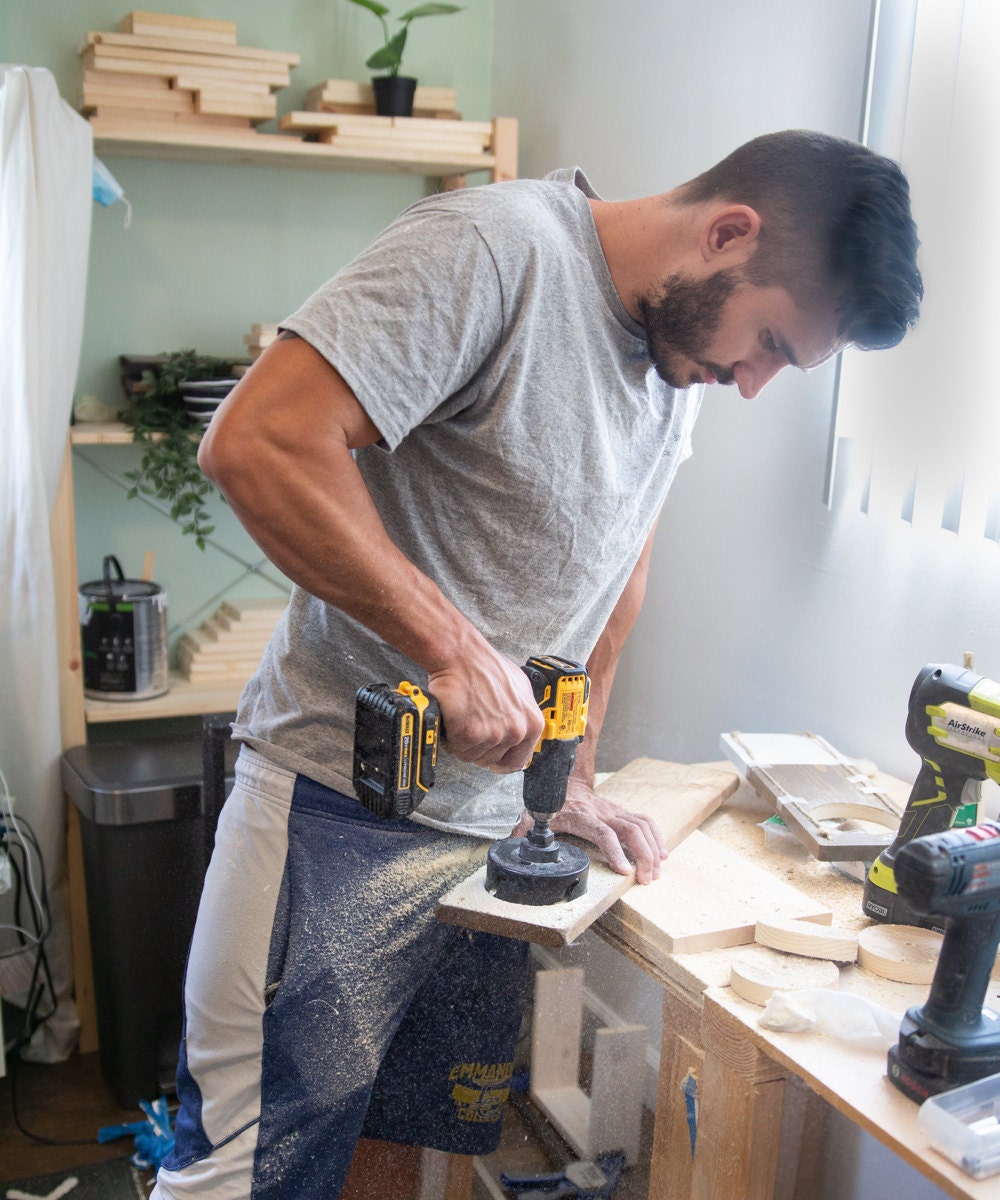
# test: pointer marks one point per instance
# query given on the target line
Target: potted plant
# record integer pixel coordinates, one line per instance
(168, 470)
(394, 92)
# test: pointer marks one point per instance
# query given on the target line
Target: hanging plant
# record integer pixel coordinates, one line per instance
(168, 470)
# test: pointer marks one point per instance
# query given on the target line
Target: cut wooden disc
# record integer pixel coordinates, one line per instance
(757, 973)
(903, 953)
(809, 939)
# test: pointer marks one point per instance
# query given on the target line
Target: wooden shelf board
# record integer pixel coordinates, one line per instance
(100, 433)
(183, 700)
(271, 149)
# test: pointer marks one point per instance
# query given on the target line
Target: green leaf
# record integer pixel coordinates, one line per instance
(389, 57)
(427, 10)
(379, 10)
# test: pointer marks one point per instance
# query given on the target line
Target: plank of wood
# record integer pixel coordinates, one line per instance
(139, 118)
(189, 45)
(139, 21)
(678, 797)
(121, 81)
(165, 102)
(707, 897)
(223, 102)
(191, 66)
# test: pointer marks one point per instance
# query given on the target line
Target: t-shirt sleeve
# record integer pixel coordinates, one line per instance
(411, 321)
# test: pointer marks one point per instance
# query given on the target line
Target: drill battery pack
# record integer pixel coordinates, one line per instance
(396, 736)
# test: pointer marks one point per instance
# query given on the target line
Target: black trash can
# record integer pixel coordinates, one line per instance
(143, 835)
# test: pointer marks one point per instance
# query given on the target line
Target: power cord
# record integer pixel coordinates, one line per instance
(23, 871)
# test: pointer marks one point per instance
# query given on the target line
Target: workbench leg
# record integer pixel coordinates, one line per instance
(740, 1118)
(681, 1070)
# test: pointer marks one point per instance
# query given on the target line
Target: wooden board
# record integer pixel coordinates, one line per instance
(140, 22)
(678, 797)
(188, 45)
(707, 898)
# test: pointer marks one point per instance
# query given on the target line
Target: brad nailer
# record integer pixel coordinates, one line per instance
(953, 723)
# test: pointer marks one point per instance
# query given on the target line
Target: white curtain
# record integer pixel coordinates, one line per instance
(46, 163)
(918, 427)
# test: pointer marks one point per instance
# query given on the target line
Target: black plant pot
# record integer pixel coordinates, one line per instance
(394, 95)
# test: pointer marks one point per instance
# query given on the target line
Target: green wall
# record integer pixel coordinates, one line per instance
(213, 248)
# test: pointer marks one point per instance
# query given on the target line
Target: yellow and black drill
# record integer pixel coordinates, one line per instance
(953, 723)
(397, 732)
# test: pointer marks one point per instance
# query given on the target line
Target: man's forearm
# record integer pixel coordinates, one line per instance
(603, 662)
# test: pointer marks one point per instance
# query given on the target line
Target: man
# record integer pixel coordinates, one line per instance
(458, 450)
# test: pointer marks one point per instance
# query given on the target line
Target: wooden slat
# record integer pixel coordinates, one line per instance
(170, 65)
(706, 898)
(189, 46)
(131, 117)
(170, 100)
(140, 22)
(223, 102)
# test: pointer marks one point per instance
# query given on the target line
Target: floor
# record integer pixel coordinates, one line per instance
(69, 1102)
(62, 1102)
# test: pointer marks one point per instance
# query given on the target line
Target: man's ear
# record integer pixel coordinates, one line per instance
(731, 232)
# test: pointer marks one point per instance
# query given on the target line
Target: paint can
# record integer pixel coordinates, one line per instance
(123, 627)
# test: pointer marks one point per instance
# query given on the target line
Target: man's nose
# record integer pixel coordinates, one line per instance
(752, 378)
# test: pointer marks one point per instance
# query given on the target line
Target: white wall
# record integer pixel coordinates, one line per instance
(766, 611)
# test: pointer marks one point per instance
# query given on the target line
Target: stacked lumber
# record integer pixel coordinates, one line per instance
(160, 71)
(259, 338)
(227, 647)
(392, 137)
(349, 96)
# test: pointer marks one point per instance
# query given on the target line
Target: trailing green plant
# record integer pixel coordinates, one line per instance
(168, 469)
(389, 56)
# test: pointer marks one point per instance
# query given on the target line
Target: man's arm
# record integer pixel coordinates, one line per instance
(621, 836)
(279, 448)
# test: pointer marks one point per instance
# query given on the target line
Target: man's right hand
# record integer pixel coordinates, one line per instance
(491, 717)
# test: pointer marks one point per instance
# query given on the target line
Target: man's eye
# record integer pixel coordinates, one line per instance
(770, 345)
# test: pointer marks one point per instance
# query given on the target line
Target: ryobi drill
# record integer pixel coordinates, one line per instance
(953, 723)
(952, 1039)
(396, 736)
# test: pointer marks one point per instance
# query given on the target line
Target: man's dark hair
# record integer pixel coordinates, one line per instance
(835, 221)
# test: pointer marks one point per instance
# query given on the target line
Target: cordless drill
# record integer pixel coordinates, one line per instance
(397, 732)
(953, 723)
(952, 1039)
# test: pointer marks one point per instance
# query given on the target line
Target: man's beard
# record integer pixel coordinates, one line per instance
(680, 326)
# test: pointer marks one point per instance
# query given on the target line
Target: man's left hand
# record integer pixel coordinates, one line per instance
(623, 837)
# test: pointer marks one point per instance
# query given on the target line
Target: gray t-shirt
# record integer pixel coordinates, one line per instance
(527, 447)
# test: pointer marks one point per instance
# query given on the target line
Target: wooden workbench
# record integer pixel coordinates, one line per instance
(763, 1097)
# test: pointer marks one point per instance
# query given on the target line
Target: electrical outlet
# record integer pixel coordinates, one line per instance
(6, 873)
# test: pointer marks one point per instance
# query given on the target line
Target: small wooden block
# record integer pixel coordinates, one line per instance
(756, 973)
(808, 939)
(903, 953)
